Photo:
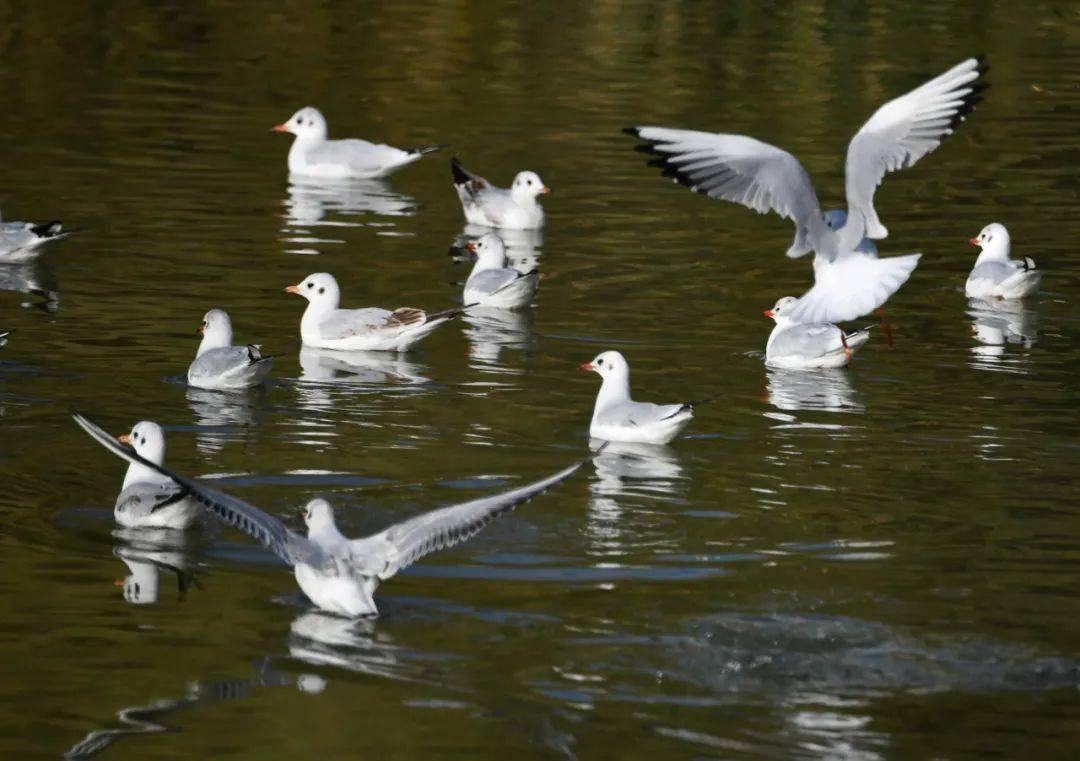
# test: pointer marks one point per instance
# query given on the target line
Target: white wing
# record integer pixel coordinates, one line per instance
(401, 545)
(903, 131)
(359, 155)
(271, 532)
(852, 286)
(740, 169)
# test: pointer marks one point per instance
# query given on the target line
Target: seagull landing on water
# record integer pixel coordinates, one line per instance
(995, 275)
(494, 284)
(313, 155)
(22, 241)
(339, 574)
(149, 499)
(617, 417)
(325, 326)
(220, 365)
(848, 282)
(806, 346)
(516, 208)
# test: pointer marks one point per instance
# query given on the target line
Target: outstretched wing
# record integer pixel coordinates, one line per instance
(852, 286)
(271, 532)
(737, 168)
(399, 546)
(903, 131)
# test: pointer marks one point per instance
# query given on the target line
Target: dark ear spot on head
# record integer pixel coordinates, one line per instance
(322, 290)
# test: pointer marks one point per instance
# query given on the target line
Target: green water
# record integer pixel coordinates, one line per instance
(879, 562)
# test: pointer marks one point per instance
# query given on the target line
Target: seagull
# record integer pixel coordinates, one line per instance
(312, 155)
(22, 241)
(492, 283)
(220, 365)
(325, 326)
(485, 204)
(848, 283)
(805, 346)
(994, 274)
(339, 574)
(148, 499)
(617, 417)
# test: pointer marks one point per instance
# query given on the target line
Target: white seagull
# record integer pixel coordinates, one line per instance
(848, 282)
(22, 241)
(220, 365)
(312, 155)
(617, 417)
(515, 208)
(325, 326)
(492, 283)
(994, 274)
(149, 499)
(805, 346)
(339, 574)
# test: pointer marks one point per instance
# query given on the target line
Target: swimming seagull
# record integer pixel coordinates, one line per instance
(339, 574)
(617, 417)
(804, 346)
(22, 241)
(994, 274)
(326, 326)
(313, 155)
(848, 283)
(220, 365)
(515, 208)
(492, 283)
(149, 499)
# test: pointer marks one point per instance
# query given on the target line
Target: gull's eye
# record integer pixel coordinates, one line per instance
(322, 290)
(528, 182)
(600, 362)
(311, 285)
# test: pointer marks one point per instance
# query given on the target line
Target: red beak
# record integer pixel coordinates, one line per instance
(587, 367)
(279, 128)
(202, 329)
(471, 247)
(973, 241)
(768, 313)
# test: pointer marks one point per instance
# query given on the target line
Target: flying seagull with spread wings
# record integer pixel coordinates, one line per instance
(848, 282)
(340, 574)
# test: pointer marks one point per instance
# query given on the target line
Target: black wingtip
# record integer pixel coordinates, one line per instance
(47, 229)
(634, 131)
(460, 175)
(423, 150)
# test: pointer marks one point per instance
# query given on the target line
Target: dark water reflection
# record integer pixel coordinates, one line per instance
(877, 562)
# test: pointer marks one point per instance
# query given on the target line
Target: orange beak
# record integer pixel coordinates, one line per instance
(118, 582)
(202, 330)
(769, 313)
(544, 190)
(471, 247)
(292, 289)
(973, 241)
(587, 367)
(279, 128)
(124, 439)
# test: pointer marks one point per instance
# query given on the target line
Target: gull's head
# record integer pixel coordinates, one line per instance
(215, 324)
(608, 364)
(318, 288)
(835, 218)
(489, 249)
(318, 514)
(528, 185)
(305, 123)
(147, 439)
(993, 238)
(781, 307)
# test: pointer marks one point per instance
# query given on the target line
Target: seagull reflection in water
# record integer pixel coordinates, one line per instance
(148, 552)
(490, 330)
(337, 203)
(996, 323)
(34, 279)
(217, 413)
(809, 390)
